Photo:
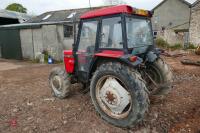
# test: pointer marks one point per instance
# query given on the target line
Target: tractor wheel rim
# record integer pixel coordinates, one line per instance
(112, 97)
(56, 84)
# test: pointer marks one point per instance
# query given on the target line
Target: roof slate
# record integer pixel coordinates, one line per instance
(184, 1)
(62, 15)
(195, 3)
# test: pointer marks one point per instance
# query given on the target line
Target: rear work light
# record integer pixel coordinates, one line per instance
(133, 58)
(141, 12)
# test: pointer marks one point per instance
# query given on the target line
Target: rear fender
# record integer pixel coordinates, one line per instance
(100, 58)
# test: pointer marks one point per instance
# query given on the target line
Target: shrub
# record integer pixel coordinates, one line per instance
(46, 56)
(176, 46)
(191, 46)
(161, 43)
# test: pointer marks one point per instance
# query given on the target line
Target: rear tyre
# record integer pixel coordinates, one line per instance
(161, 73)
(119, 94)
(59, 82)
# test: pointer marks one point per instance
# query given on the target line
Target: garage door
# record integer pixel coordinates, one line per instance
(10, 44)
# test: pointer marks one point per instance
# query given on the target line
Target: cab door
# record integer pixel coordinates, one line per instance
(86, 47)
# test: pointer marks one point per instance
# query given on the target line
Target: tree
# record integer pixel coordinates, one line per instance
(16, 7)
(114, 2)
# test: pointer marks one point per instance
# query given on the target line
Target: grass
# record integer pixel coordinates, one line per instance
(191, 46)
(175, 46)
(161, 43)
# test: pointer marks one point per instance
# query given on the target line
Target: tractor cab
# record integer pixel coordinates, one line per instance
(110, 33)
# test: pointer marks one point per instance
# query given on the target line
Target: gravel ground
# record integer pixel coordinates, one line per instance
(27, 105)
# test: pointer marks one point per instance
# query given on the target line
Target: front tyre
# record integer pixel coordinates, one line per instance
(59, 82)
(119, 94)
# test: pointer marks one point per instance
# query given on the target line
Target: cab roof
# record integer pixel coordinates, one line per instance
(115, 10)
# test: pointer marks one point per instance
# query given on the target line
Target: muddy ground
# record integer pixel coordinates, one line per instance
(26, 104)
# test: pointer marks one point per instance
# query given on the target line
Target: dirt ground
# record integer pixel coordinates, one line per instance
(28, 106)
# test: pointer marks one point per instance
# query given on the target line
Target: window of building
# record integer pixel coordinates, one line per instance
(47, 16)
(155, 33)
(71, 15)
(68, 31)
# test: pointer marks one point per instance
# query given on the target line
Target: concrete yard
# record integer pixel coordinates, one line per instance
(5, 65)
(28, 106)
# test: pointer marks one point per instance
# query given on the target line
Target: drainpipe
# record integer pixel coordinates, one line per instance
(189, 23)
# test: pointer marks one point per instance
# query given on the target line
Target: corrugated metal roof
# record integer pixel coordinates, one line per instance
(14, 15)
(62, 15)
(51, 18)
(33, 25)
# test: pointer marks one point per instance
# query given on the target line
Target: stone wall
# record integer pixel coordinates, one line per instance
(48, 37)
(26, 37)
(195, 24)
(172, 37)
(172, 14)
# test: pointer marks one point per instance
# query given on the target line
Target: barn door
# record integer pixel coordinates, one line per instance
(0, 50)
(10, 44)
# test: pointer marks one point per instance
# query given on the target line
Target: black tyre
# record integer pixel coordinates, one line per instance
(161, 73)
(119, 94)
(59, 83)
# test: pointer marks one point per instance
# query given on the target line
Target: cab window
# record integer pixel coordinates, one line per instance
(111, 33)
(88, 37)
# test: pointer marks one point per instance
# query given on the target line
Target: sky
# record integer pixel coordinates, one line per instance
(36, 7)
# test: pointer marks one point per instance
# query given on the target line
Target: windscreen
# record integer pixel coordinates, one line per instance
(139, 32)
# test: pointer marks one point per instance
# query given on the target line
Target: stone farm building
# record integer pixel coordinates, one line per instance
(195, 23)
(51, 31)
(171, 21)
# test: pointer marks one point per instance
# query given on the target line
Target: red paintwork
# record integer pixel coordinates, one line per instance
(108, 11)
(69, 61)
(133, 58)
(110, 54)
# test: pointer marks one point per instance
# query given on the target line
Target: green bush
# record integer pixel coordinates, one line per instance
(191, 46)
(46, 56)
(161, 43)
(176, 46)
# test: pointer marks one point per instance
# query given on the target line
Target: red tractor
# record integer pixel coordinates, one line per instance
(115, 57)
